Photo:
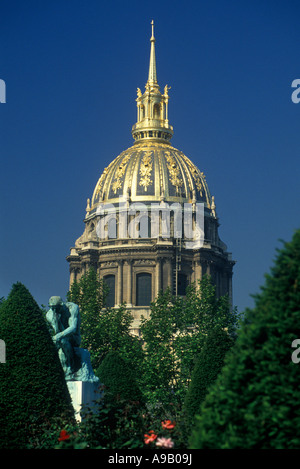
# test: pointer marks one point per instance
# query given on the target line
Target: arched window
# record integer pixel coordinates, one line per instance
(156, 111)
(110, 282)
(143, 289)
(182, 284)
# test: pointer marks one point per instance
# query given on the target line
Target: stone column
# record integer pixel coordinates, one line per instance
(166, 115)
(158, 276)
(198, 272)
(72, 277)
(129, 283)
(162, 110)
(167, 274)
(119, 282)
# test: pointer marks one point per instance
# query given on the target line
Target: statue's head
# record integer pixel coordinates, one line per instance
(55, 302)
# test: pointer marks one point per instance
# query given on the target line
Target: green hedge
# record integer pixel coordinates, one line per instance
(254, 402)
(32, 384)
(118, 377)
(206, 370)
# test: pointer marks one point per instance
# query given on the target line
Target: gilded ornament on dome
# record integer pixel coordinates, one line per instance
(166, 89)
(213, 206)
(145, 170)
(117, 184)
(101, 180)
(198, 176)
(198, 181)
(174, 171)
(88, 205)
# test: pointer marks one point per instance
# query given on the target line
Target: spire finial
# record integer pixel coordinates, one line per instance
(152, 78)
(152, 106)
(152, 37)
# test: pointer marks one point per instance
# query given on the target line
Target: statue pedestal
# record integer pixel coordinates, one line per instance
(82, 393)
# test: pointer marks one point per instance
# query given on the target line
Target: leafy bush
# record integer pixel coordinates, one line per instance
(175, 334)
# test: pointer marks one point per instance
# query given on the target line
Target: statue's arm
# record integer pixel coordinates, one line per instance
(52, 319)
(73, 321)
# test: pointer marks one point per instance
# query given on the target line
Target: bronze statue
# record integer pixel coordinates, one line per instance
(65, 321)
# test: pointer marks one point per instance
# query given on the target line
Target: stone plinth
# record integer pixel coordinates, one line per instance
(83, 393)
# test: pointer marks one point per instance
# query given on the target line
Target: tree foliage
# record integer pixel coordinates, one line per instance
(104, 329)
(175, 334)
(32, 383)
(89, 294)
(254, 402)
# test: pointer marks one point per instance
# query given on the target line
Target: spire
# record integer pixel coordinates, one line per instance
(152, 78)
(152, 106)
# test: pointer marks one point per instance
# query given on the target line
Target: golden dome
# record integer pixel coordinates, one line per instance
(140, 252)
(151, 171)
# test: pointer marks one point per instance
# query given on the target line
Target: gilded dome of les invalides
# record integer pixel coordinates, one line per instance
(151, 171)
(148, 171)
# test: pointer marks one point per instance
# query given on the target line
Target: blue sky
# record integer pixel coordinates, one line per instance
(71, 70)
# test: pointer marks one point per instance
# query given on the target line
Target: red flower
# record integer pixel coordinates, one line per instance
(63, 436)
(168, 424)
(149, 438)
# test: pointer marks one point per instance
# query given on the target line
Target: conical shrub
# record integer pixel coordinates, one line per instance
(119, 379)
(254, 402)
(33, 390)
(207, 367)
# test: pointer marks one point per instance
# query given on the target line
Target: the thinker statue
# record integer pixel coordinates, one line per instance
(65, 321)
